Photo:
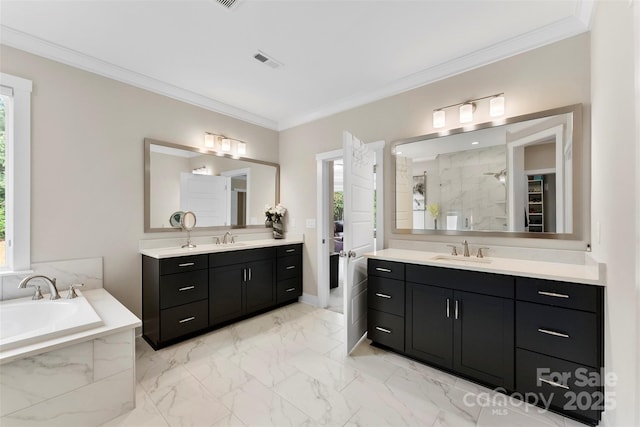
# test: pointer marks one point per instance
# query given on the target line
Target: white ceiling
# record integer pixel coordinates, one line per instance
(336, 54)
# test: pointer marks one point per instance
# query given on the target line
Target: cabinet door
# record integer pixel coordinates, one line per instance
(484, 338)
(429, 324)
(260, 289)
(226, 293)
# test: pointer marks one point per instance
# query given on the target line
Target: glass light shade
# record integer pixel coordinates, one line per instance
(209, 140)
(226, 144)
(466, 113)
(496, 106)
(438, 119)
(242, 148)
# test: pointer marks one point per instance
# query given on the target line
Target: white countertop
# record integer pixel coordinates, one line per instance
(115, 316)
(177, 251)
(587, 273)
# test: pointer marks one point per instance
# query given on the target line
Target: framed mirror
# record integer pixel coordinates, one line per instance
(223, 191)
(518, 177)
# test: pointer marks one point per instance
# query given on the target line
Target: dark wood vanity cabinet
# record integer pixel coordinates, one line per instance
(240, 283)
(185, 296)
(470, 332)
(560, 345)
(174, 297)
(541, 339)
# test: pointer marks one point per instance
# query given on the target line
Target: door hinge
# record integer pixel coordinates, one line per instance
(375, 168)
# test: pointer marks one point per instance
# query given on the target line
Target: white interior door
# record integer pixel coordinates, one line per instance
(358, 234)
(208, 197)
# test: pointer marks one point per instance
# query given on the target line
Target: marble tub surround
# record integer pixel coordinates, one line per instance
(115, 316)
(67, 272)
(82, 379)
(288, 367)
(587, 272)
(169, 248)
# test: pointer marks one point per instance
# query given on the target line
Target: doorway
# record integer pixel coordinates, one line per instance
(330, 178)
(336, 242)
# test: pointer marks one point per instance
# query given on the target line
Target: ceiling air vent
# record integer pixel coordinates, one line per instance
(267, 60)
(228, 4)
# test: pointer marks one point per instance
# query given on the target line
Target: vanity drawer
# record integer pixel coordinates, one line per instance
(388, 269)
(183, 319)
(288, 289)
(464, 280)
(561, 294)
(569, 386)
(560, 332)
(289, 267)
(386, 295)
(287, 250)
(240, 257)
(386, 329)
(183, 288)
(183, 263)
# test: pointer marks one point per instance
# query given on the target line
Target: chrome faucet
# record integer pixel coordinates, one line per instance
(53, 290)
(465, 245)
(228, 234)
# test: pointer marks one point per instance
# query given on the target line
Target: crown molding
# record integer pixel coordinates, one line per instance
(548, 34)
(40, 47)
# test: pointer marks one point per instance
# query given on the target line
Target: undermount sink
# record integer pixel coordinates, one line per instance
(461, 259)
(230, 245)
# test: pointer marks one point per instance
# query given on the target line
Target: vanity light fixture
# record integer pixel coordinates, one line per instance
(209, 140)
(224, 145)
(241, 148)
(466, 112)
(467, 108)
(438, 119)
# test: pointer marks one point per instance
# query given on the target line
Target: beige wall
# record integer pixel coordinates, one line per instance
(87, 163)
(540, 156)
(614, 211)
(549, 77)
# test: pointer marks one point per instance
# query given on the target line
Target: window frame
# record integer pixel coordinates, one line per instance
(17, 174)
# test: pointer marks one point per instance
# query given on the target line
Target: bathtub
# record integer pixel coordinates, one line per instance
(24, 321)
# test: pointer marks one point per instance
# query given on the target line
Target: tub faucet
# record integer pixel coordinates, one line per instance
(51, 282)
(465, 244)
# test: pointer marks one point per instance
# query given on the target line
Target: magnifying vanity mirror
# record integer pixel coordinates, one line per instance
(188, 223)
(519, 177)
(221, 190)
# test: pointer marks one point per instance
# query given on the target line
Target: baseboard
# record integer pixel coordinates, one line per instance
(309, 299)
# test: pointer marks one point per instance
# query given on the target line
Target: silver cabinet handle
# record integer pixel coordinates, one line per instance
(187, 288)
(552, 294)
(186, 264)
(290, 250)
(448, 314)
(290, 290)
(290, 267)
(386, 331)
(554, 333)
(244, 274)
(378, 294)
(249, 274)
(384, 270)
(553, 383)
(456, 311)
(188, 319)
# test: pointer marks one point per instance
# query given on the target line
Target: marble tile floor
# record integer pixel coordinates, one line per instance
(288, 368)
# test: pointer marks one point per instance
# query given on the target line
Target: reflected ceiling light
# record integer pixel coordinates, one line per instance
(496, 106)
(438, 119)
(466, 112)
(467, 108)
(475, 143)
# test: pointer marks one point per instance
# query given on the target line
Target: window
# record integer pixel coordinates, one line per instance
(15, 172)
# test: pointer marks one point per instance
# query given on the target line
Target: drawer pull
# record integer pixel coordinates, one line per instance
(383, 295)
(456, 310)
(290, 250)
(186, 264)
(553, 383)
(552, 294)
(188, 319)
(448, 314)
(386, 331)
(291, 267)
(554, 333)
(384, 270)
(187, 288)
(290, 290)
